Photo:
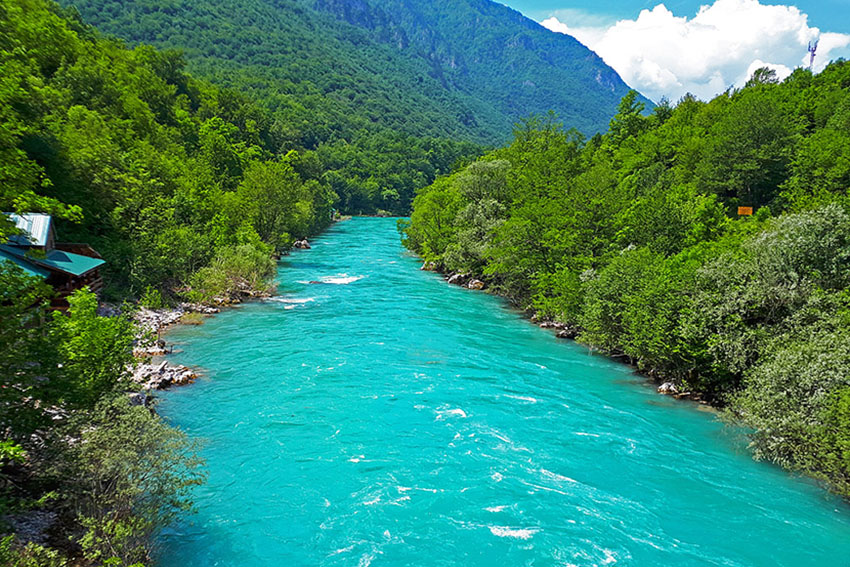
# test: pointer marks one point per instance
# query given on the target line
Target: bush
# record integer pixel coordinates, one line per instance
(97, 350)
(243, 268)
(152, 299)
(135, 475)
(13, 554)
(797, 400)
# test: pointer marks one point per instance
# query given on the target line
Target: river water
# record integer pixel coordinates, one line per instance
(386, 418)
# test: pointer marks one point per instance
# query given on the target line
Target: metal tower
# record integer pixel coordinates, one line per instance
(813, 48)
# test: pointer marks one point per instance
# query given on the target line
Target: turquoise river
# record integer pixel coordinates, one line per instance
(385, 418)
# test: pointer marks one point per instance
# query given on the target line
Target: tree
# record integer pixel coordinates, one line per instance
(134, 476)
(274, 201)
(97, 351)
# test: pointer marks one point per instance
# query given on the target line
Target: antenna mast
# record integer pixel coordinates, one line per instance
(813, 48)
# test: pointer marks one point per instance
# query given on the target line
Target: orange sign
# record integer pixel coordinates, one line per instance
(745, 211)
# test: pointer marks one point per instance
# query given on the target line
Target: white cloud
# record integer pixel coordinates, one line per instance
(662, 54)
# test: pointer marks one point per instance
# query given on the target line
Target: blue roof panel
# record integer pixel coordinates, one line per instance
(58, 260)
(28, 267)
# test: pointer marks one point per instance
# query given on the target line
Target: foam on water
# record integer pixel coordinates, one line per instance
(340, 279)
(398, 421)
(521, 398)
(518, 533)
(453, 412)
(292, 300)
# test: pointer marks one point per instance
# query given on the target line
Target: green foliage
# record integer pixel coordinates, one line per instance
(154, 169)
(632, 239)
(337, 72)
(276, 204)
(836, 433)
(234, 269)
(13, 554)
(135, 474)
(797, 401)
(11, 452)
(71, 435)
(97, 350)
(28, 361)
(152, 298)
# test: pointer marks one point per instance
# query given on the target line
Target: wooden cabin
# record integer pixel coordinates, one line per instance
(65, 266)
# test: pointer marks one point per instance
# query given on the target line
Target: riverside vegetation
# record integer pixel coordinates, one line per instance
(631, 239)
(189, 190)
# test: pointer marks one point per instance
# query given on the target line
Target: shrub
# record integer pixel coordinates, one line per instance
(243, 268)
(152, 299)
(797, 400)
(97, 350)
(13, 554)
(135, 474)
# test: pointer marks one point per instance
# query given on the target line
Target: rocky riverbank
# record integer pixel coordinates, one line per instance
(149, 343)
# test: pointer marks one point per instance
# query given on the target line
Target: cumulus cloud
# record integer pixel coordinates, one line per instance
(661, 54)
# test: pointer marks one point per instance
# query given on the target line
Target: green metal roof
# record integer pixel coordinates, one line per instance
(58, 260)
(28, 267)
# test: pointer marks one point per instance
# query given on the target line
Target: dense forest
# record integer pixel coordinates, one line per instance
(376, 90)
(633, 240)
(336, 70)
(164, 174)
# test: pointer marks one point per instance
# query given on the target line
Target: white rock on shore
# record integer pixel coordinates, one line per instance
(458, 279)
(153, 321)
(144, 349)
(162, 375)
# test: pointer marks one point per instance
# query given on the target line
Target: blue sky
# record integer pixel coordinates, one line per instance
(667, 49)
(829, 15)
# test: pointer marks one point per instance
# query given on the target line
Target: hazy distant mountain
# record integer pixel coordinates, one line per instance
(467, 69)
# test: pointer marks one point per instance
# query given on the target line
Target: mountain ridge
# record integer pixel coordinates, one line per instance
(467, 70)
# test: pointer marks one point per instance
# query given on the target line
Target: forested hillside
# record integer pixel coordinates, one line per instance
(343, 68)
(495, 56)
(179, 185)
(355, 80)
(632, 239)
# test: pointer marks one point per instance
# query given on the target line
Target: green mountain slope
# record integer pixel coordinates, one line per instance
(493, 53)
(338, 69)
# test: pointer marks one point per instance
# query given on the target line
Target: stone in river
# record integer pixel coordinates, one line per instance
(458, 279)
